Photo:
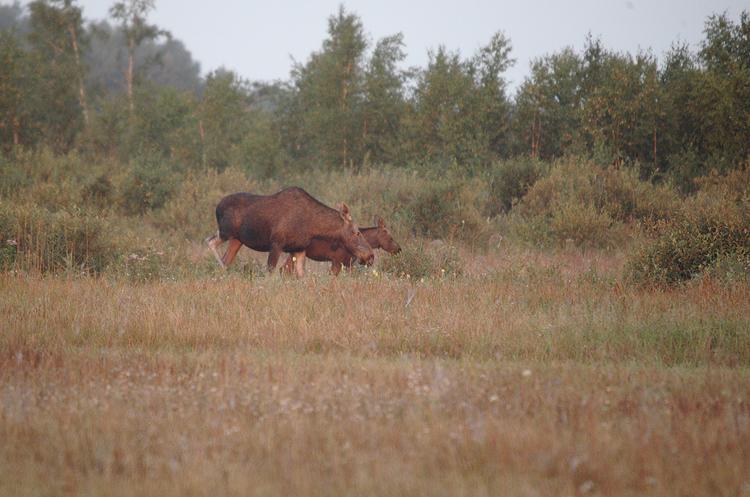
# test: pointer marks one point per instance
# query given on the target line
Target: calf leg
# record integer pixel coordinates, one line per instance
(234, 246)
(299, 263)
(288, 267)
(335, 267)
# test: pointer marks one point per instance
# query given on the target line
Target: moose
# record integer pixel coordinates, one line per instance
(287, 221)
(321, 250)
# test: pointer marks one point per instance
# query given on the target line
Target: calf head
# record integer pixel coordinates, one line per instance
(382, 238)
(353, 239)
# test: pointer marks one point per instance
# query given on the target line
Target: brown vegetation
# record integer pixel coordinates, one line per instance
(532, 374)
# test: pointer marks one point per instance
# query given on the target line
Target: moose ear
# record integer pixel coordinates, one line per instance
(344, 212)
(379, 222)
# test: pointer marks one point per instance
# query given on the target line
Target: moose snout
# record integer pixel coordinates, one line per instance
(370, 259)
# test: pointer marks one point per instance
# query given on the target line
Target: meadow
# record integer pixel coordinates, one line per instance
(536, 373)
(585, 342)
(569, 315)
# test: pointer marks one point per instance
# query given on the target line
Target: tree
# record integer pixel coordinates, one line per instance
(489, 65)
(384, 103)
(132, 17)
(547, 105)
(442, 123)
(60, 97)
(725, 54)
(328, 95)
(13, 87)
(223, 117)
(161, 62)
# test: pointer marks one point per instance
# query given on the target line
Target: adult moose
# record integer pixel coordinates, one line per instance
(287, 221)
(378, 237)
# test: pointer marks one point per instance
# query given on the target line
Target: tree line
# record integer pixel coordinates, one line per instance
(128, 89)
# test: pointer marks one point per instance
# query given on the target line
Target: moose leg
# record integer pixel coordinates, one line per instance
(214, 242)
(336, 267)
(288, 266)
(273, 257)
(299, 263)
(234, 246)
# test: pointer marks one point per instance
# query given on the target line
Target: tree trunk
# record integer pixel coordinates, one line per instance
(202, 133)
(536, 132)
(129, 75)
(16, 135)
(79, 70)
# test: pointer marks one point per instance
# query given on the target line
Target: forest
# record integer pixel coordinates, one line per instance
(569, 313)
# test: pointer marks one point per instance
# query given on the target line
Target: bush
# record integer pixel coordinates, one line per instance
(99, 193)
(34, 238)
(450, 209)
(591, 206)
(148, 186)
(686, 250)
(422, 260)
(508, 181)
(712, 234)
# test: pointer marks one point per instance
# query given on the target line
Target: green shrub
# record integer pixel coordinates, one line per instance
(148, 186)
(450, 209)
(99, 192)
(260, 153)
(713, 231)
(419, 260)
(509, 180)
(13, 177)
(584, 226)
(35, 238)
(591, 206)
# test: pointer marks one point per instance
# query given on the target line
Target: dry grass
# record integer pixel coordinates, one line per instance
(543, 376)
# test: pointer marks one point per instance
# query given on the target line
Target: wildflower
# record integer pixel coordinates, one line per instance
(526, 373)
(11, 242)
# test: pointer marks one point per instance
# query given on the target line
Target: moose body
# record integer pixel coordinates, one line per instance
(287, 221)
(320, 250)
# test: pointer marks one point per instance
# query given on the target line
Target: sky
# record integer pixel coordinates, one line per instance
(259, 39)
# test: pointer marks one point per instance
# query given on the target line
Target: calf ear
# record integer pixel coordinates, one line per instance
(344, 212)
(379, 222)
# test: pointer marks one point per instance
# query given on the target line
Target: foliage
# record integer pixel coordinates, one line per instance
(149, 184)
(450, 209)
(509, 180)
(584, 204)
(324, 119)
(711, 234)
(421, 259)
(352, 105)
(36, 239)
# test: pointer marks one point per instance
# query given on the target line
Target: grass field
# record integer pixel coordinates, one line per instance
(530, 374)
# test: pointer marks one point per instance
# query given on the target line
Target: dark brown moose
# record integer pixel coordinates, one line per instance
(287, 221)
(377, 236)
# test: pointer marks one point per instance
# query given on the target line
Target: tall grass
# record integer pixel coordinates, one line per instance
(530, 314)
(540, 377)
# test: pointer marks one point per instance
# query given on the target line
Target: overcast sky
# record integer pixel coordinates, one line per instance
(258, 39)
